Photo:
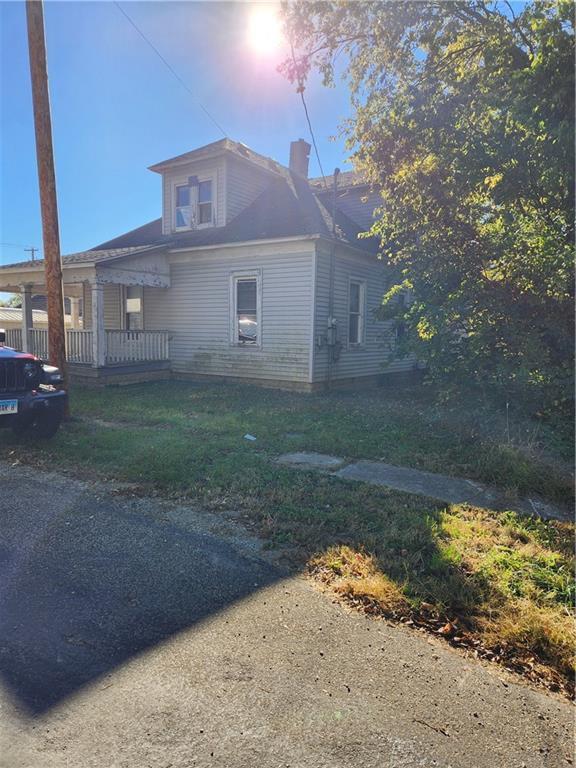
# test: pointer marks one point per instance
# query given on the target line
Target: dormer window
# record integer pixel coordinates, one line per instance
(183, 208)
(194, 206)
(205, 202)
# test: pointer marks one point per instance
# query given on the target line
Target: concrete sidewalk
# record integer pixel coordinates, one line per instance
(451, 490)
(143, 634)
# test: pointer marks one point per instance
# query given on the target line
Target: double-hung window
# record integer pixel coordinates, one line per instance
(183, 214)
(356, 312)
(194, 204)
(205, 202)
(245, 306)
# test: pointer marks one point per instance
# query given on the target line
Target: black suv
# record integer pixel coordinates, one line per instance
(32, 400)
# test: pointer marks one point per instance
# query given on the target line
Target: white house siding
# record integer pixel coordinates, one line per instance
(371, 357)
(112, 306)
(244, 184)
(179, 175)
(195, 309)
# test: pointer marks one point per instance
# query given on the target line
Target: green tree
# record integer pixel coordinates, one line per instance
(13, 301)
(463, 115)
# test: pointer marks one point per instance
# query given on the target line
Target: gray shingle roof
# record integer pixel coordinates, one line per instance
(346, 179)
(290, 206)
(95, 255)
(287, 208)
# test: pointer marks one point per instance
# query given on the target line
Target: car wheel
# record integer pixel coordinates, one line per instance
(42, 425)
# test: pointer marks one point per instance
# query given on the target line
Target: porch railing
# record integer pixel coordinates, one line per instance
(39, 342)
(136, 346)
(14, 338)
(79, 346)
(121, 346)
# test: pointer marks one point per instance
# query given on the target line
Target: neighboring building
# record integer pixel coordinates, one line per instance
(11, 318)
(248, 274)
(39, 302)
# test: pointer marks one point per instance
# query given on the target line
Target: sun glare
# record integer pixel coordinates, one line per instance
(264, 29)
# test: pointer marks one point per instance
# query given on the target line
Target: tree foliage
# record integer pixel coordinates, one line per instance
(464, 118)
(13, 301)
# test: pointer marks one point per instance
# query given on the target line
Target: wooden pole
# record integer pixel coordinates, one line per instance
(47, 182)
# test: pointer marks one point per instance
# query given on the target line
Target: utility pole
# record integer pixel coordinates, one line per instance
(47, 183)
(31, 251)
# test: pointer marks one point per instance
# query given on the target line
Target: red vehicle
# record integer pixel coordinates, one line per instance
(32, 400)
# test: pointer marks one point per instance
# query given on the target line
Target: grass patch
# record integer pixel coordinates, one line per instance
(488, 582)
(503, 583)
(202, 426)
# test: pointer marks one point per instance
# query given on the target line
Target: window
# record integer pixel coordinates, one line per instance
(133, 309)
(194, 204)
(183, 207)
(245, 309)
(205, 202)
(356, 302)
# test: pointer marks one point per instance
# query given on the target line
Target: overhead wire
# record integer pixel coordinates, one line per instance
(13, 245)
(170, 68)
(301, 89)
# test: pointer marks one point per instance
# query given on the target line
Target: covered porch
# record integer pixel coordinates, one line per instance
(119, 346)
(109, 328)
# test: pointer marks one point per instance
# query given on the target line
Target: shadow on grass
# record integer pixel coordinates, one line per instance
(401, 531)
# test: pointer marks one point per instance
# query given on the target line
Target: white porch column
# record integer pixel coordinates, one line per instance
(27, 318)
(75, 312)
(98, 333)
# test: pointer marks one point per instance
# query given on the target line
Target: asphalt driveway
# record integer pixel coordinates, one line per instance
(142, 634)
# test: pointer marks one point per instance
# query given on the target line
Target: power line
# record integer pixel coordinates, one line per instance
(301, 92)
(313, 138)
(14, 245)
(176, 75)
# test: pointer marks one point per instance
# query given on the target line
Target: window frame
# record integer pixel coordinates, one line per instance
(198, 204)
(235, 278)
(175, 188)
(361, 312)
(125, 312)
(194, 204)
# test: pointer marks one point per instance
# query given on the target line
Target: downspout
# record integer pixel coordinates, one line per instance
(331, 331)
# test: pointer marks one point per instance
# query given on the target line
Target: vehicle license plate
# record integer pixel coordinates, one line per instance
(8, 406)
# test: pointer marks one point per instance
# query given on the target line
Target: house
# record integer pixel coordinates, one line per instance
(39, 302)
(11, 318)
(252, 272)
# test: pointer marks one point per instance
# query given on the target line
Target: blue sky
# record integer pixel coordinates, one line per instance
(116, 109)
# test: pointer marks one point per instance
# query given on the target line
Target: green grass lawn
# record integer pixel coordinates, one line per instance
(502, 578)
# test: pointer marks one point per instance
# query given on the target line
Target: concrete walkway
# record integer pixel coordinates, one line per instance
(451, 490)
(136, 633)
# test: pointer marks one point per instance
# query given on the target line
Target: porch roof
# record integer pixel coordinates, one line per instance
(93, 256)
(142, 265)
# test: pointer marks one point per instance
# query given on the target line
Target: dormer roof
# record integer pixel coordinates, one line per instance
(217, 149)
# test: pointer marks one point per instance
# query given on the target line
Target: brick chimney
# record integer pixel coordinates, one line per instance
(299, 156)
